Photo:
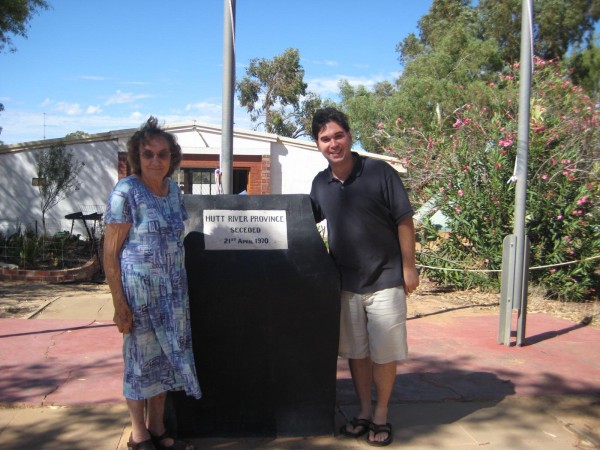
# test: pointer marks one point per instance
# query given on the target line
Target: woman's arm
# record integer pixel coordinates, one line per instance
(114, 237)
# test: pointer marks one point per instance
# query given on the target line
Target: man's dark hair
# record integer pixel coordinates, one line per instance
(323, 116)
(145, 134)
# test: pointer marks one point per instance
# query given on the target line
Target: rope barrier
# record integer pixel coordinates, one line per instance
(497, 270)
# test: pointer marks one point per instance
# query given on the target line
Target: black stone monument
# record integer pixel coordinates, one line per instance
(264, 303)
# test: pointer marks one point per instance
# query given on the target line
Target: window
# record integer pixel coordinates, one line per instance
(202, 181)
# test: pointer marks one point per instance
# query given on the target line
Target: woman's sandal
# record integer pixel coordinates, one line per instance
(176, 445)
(144, 445)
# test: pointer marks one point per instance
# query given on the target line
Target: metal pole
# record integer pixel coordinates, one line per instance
(526, 69)
(228, 96)
(515, 268)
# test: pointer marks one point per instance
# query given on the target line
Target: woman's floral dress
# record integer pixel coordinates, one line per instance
(158, 352)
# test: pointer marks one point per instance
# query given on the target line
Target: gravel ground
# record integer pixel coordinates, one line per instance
(23, 300)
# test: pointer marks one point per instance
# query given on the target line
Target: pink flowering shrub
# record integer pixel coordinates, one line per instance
(464, 171)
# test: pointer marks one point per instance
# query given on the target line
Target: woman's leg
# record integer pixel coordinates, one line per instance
(156, 423)
(139, 432)
(156, 414)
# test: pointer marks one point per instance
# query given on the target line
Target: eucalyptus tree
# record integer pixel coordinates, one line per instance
(275, 95)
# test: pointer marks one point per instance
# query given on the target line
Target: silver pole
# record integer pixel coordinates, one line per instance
(521, 267)
(228, 96)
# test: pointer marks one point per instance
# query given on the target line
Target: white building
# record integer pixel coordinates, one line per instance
(262, 164)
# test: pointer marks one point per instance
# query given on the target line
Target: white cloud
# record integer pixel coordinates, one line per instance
(70, 109)
(329, 86)
(137, 116)
(93, 109)
(121, 98)
(203, 106)
(328, 62)
(94, 78)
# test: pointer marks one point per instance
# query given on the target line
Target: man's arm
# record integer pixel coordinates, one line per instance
(406, 236)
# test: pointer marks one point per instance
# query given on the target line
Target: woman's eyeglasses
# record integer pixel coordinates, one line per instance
(163, 155)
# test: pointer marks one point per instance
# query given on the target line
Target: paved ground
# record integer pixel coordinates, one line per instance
(60, 383)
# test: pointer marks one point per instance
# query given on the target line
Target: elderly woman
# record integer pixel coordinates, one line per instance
(144, 267)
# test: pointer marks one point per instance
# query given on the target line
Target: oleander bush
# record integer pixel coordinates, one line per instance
(464, 172)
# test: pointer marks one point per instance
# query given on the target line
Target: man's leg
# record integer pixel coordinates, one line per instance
(384, 376)
(387, 337)
(353, 346)
(362, 378)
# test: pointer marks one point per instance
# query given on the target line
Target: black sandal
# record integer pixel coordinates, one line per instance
(177, 444)
(144, 445)
(376, 429)
(364, 423)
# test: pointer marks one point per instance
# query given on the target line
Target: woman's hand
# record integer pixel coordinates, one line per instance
(123, 317)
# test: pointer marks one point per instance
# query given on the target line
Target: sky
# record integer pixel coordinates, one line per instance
(102, 65)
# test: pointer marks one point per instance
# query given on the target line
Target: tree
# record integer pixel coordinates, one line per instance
(558, 25)
(14, 17)
(585, 65)
(444, 69)
(57, 177)
(459, 49)
(451, 118)
(274, 91)
(1, 109)
(465, 173)
(77, 135)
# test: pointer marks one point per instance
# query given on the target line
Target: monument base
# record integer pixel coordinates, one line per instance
(265, 322)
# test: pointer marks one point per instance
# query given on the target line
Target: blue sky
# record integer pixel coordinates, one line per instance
(101, 65)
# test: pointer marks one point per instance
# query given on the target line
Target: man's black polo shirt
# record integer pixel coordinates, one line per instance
(362, 223)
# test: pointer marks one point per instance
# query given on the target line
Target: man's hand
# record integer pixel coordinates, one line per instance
(411, 280)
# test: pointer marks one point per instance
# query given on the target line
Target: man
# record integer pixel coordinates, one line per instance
(372, 241)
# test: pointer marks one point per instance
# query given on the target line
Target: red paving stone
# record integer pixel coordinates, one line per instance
(77, 362)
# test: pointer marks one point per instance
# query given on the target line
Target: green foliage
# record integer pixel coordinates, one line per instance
(27, 250)
(1, 109)
(77, 135)
(14, 17)
(558, 25)
(452, 120)
(585, 65)
(466, 171)
(274, 94)
(459, 49)
(57, 172)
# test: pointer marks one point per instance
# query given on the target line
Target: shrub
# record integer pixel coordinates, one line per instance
(465, 173)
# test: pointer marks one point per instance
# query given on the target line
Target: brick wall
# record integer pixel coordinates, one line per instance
(83, 273)
(259, 168)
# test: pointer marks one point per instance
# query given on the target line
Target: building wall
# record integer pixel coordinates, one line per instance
(295, 166)
(105, 159)
(276, 165)
(20, 201)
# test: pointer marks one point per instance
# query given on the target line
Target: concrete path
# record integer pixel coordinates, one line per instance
(60, 385)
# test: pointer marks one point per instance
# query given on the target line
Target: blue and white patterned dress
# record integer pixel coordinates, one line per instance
(158, 351)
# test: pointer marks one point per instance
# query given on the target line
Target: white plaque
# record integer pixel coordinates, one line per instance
(260, 229)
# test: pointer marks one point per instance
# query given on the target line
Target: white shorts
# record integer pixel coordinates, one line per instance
(374, 325)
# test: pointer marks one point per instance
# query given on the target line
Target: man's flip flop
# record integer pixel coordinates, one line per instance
(364, 423)
(376, 429)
